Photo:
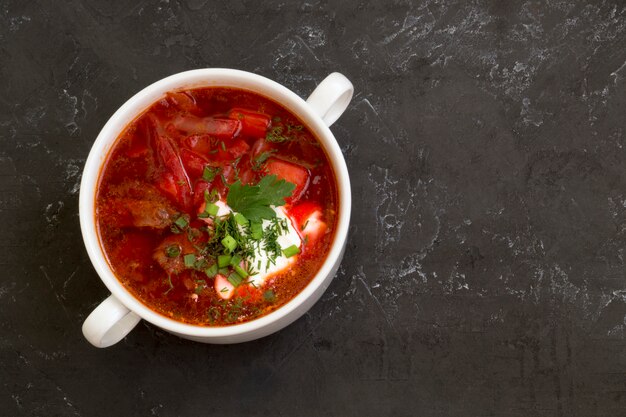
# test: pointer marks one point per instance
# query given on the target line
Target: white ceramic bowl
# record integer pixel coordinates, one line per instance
(116, 316)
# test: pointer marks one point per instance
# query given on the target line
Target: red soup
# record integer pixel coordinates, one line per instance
(216, 206)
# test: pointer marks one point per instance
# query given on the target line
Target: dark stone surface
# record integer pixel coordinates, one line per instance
(485, 270)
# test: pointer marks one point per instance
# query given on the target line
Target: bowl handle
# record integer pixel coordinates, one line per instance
(331, 97)
(109, 323)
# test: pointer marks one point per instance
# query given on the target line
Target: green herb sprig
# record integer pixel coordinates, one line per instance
(254, 201)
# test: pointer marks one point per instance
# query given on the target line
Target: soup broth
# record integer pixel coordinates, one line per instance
(216, 206)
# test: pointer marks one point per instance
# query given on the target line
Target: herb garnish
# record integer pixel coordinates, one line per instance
(275, 135)
(190, 260)
(291, 251)
(172, 251)
(201, 285)
(181, 222)
(235, 279)
(209, 173)
(254, 201)
(212, 271)
(169, 281)
(259, 160)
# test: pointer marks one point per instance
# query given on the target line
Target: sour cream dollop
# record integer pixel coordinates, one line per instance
(261, 261)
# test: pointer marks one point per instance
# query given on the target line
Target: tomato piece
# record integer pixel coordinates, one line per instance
(308, 221)
(290, 172)
(252, 123)
(301, 212)
(227, 152)
(220, 128)
(228, 174)
(180, 245)
(193, 163)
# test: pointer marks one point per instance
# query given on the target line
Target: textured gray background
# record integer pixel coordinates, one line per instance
(485, 270)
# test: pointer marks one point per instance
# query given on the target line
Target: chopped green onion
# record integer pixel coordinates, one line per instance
(235, 260)
(291, 251)
(210, 198)
(235, 279)
(229, 243)
(190, 260)
(212, 209)
(256, 230)
(223, 146)
(241, 219)
(203, 215)
(172, 251)
(209, 173)
(200, 264)
(223, 260)
(181, 222)
(242, 272)
(211, 271)
(223, 271)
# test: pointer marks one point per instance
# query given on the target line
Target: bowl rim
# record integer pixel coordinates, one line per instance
(219, 77)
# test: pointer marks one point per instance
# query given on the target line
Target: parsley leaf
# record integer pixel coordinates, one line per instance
(254, 201)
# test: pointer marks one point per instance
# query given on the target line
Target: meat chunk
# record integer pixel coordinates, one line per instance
(135, 204)
(147, 213)
(171, 251)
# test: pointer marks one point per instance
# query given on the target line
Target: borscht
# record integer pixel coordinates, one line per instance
(216, 206)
